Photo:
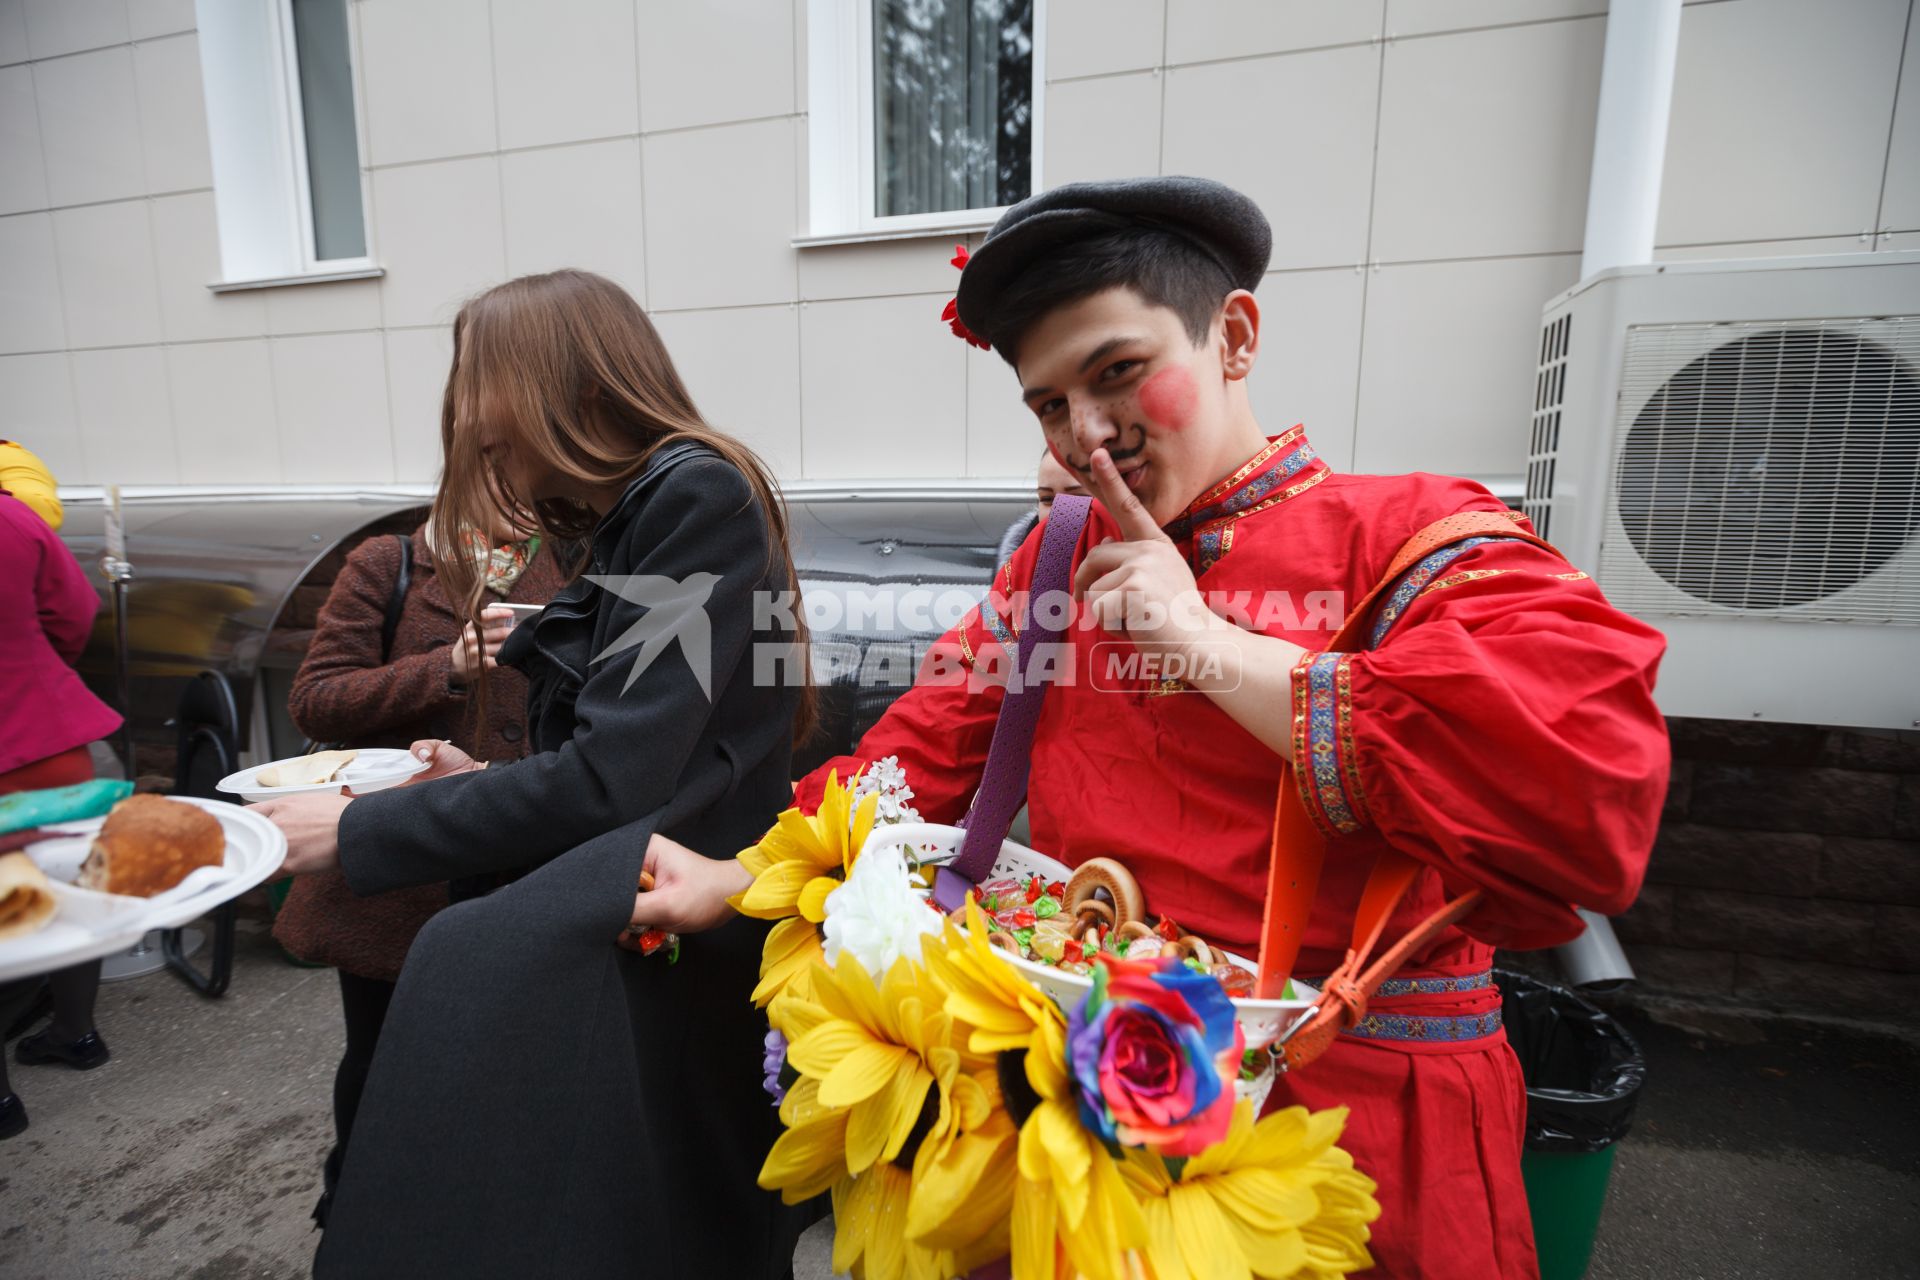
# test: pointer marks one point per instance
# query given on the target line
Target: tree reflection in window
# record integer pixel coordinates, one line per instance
(952, 104)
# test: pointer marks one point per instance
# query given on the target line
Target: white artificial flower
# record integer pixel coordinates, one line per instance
(877, 916)
(890, 811)
(885, 774)
(886, 778)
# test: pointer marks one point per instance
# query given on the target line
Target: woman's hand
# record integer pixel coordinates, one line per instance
(311, 824)
(443, 760)
(689, 893)
(476, 650)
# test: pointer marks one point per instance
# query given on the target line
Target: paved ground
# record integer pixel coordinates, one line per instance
(195, 1153)
(1767, 1148)
(1762, 1149)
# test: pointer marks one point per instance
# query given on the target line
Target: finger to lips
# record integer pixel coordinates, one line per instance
(1135, 524)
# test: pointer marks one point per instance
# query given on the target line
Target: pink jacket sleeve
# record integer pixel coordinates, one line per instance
(67, 601)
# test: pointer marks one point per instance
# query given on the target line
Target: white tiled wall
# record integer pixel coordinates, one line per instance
(720, 214)
(23, 173)
(443, 227)
(224, 411)
(90, 127)
(125, 425)
(1761, 80)
(417, 365)
(576, 206)
(876, 398)
(1486, 138)
(742, 365)
(173, 124)
(330, 395)
(1447, 362)
(1424, 163)
(1300, 141)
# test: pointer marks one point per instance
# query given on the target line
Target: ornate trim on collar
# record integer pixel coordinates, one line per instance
(1210, 519)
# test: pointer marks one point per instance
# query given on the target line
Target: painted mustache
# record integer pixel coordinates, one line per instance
(1085, 465)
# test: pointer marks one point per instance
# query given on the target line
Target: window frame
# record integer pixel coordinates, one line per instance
(840, 135)
(263, 188)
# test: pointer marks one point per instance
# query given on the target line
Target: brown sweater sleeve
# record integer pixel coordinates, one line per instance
(342, 691)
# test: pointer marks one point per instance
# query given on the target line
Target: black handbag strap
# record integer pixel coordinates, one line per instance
(389, 626)
(397, 598)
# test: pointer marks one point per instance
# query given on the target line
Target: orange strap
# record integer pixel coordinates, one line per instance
(1299, 850)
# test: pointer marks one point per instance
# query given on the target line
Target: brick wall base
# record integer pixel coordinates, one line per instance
(1787, 871)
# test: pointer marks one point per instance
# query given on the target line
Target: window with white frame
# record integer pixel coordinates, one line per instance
(278, 76)
(923, 115)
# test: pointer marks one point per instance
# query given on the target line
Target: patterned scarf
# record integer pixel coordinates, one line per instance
(502, 565)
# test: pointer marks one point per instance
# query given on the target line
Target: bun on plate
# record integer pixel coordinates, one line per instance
(148, 844)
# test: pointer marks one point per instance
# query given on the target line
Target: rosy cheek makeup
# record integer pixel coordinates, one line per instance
(1057, 458)
(1169, 398)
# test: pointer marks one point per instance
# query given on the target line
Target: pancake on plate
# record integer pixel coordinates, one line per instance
(26, 902)
(304, 771)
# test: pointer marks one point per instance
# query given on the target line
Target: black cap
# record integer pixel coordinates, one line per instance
(1216, 219)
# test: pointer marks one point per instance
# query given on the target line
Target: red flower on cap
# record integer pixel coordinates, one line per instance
(952, 312)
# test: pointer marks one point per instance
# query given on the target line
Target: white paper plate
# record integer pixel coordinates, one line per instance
(87, 925)
(373, 769)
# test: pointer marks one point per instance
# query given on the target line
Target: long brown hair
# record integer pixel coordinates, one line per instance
(565, 370)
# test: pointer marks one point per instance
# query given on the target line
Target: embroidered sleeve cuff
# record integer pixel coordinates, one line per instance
(1326, 766)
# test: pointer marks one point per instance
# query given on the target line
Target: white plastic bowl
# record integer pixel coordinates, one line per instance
(1261, 1021)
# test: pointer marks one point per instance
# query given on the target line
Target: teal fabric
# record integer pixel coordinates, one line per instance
(23, 810)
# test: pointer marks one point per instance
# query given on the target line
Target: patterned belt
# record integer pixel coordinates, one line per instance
(1413, 1026)
(1425, 1028)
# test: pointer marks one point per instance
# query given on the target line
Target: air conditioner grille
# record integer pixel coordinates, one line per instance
(1543, 447)
(1778, 468)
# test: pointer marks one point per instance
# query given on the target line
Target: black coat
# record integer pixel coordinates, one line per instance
(544, 1103)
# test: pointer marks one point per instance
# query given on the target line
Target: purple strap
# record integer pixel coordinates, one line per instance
(1003, 783)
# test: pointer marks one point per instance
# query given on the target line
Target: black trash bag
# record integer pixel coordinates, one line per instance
(1583, 1071)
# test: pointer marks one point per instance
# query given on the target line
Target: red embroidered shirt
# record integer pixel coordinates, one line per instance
(1499, 726)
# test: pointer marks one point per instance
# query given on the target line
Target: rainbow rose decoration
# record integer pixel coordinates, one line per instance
(1154, 1050)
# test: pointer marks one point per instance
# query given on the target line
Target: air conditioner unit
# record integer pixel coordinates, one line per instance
(1732, 449)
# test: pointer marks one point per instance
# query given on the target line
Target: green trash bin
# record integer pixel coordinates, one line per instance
(1583, 1074)
(276, 898)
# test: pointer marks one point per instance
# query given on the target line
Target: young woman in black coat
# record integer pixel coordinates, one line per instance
(542, 1101)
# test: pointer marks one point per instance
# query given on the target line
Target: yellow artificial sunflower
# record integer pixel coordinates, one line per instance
(880, 1066)
(1274, 1199)
(1004, 1011)
(794, 867)
(1072, 1212)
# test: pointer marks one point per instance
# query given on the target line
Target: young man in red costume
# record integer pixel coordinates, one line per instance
(1497, 724)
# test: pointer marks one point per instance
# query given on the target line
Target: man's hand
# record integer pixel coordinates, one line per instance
(476, 649)
(689, 893)
(311, 824)
(1142, 588)
(1139, 587)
